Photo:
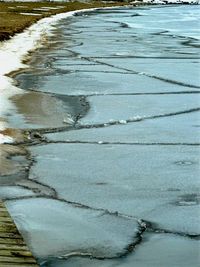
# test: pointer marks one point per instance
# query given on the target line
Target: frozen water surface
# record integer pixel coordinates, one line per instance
(61, 229)
(112, 108)
(87, 83)
(14, 192)
(123, 179)
(173, 251)
(183, 128)
(84, 174)
(187, 70)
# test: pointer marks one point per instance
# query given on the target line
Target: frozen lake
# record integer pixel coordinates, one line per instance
(112, 177)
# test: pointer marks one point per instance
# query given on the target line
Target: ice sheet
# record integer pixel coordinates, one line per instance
(181, 128)
(173, 251)
(137, 180)
(105, 109)
(62, 229)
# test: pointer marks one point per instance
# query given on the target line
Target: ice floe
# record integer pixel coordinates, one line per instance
(66, 230)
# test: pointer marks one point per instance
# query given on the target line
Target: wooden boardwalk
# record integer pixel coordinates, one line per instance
(13, 250)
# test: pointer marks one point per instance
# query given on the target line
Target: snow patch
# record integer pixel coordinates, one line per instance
(30, 14)
(5, 139)
(15, 50)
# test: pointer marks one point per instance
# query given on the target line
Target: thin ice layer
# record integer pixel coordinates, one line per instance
(172, 250)
(114, 108)
(137, 180)
(9, 192)
(87, 83)
(183, 128)
(184, 71)
(62, 229)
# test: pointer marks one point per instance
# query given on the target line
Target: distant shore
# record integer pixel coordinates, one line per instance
(17, 16)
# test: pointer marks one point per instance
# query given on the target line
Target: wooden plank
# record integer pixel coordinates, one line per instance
(13, 250)
(5, 264)
(7, 228)
(16, 259)
(5, 219)
(20, 253)
(10, 235)
(6, 240)
(18, 265)
(13, 247)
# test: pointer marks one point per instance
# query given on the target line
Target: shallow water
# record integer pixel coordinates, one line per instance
(117, 185)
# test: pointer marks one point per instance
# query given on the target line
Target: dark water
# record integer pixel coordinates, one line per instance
(118, 185)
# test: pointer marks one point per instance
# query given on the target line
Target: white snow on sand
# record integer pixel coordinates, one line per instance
(30, 14)
(5, 139)
(12, 54)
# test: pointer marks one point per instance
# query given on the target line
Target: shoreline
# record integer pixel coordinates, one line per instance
(15, 53)
(22, 15)
(83, 158)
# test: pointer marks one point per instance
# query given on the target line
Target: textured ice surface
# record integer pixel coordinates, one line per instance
(187, 71)
(183, 128)
(184, 211)
(118, 178)
(102, 59)
(132, 64)
(84, 83)
(173, 251)
(147, 32)
(56, 228)
(14, 192)
(112, 108)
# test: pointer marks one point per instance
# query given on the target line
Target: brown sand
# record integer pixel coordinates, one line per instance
(16, 16)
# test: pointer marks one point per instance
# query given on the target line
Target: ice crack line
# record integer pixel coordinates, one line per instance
(136, 119)
(136, 240)
(139, 93)
(117, 143)
(141, 73)
(145, 57)
(73, 203)
(154, 228)
(143, 224)
(117, 94)
(37, 138)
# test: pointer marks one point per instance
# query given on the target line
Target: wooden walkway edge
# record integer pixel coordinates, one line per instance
(13, 250)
